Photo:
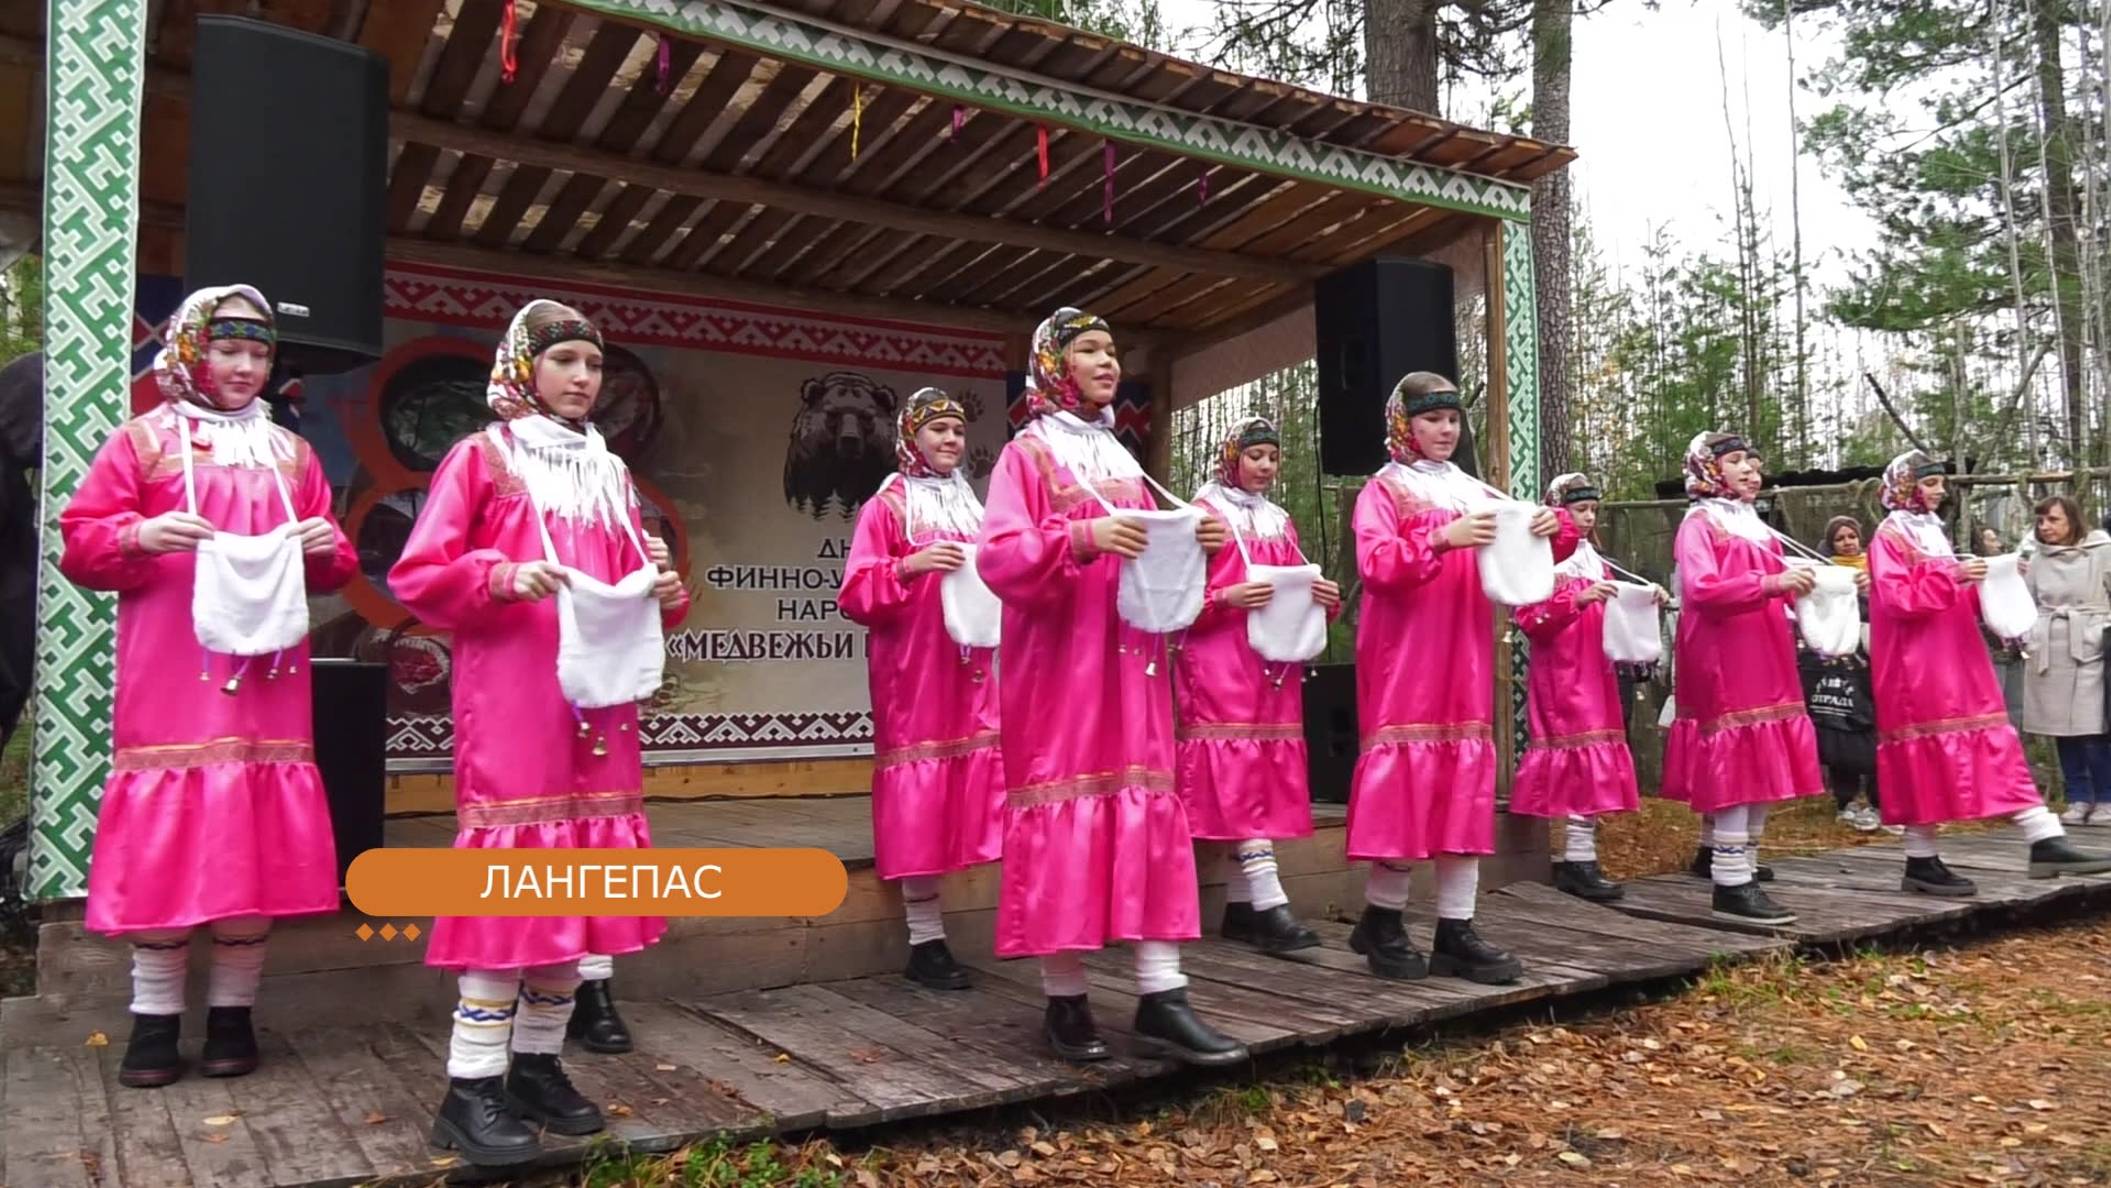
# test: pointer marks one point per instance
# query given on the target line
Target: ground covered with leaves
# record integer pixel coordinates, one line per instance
(1989, 1063)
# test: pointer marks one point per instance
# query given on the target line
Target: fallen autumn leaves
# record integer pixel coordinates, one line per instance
(1989, 1064)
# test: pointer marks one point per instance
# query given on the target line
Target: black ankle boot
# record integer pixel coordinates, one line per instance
(151, 1059)
(1070, 1030)
(230, 1043)
(476, 1120)
(1167, 1026)
(540, 1092)
(1271, 930)
(931, 964)
(1381, 937)
(1930, 877)
(1703, 867)
(1747, 904)
(2057, 856)
(1585, 880)
(595, 1023)
(1459, 952)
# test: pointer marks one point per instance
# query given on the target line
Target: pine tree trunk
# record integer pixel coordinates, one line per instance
(2059, 209)
(1551, 22)
(1400, 50)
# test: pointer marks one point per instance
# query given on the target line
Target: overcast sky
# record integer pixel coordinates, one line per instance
(1646, 113)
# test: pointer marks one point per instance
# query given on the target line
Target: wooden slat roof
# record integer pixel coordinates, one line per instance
(690, 160)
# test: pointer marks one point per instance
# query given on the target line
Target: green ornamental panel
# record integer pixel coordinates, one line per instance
(860, 54)
(95, 64)
(1521, 379)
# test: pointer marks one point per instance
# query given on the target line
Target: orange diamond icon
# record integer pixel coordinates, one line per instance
(363, 932)
(388, 932)
(410, 932)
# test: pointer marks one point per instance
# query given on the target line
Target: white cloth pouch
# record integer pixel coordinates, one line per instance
(2005, 604)
(250, 595)
(610, 650)
(1161, 590)
(974, 617)
(1830, 616)
(1292, 628)
(1517, 568)
(1633, 632)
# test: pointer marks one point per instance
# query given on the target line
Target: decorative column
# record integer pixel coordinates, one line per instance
(94, 67)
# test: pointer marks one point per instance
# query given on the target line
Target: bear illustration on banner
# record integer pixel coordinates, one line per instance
(842, 443)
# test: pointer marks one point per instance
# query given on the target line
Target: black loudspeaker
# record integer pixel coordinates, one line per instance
(289, 183)
(351, 751)
(1377, 321)
(1331, 742)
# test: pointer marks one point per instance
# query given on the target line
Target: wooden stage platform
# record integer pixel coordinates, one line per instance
(341, 1103)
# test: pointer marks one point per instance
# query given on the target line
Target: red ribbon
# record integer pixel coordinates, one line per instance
(1202, 188)
(1107, 183)
(1041, 147)
(960, 116)
(665, 63)
(509, 64)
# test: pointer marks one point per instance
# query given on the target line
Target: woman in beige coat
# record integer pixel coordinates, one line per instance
(2063, 675)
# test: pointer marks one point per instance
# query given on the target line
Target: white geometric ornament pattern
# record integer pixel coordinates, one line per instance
(95, 67)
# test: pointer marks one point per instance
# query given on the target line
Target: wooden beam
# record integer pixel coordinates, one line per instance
(755, 191)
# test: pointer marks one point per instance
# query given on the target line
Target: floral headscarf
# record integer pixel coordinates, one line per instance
(1244, 435)
(179, 369)
(926, 406)
(1902, 477)
(1571, 488)
(1704, 464)
(511, 392)
(1050, 383)
(1417, 392)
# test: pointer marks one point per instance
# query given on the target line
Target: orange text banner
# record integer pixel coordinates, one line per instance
(730, 882)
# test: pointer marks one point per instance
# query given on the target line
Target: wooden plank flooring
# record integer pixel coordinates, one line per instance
(343, 1105)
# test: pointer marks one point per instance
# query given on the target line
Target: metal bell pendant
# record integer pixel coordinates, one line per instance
(600, 745)
(1150, 668)
(233, 685)
(584, 729)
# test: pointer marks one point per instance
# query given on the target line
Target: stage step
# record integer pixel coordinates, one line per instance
(319, 969)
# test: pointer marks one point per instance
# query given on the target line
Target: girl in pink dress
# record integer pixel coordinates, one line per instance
(1576, 764)
(512, 511)
(214, 814)
(937, 780)
(1945, 749)
(1096, 842)
(1424, 787)
(1241, 750)
(1741, 739)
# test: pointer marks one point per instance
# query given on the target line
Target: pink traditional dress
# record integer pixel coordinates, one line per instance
(1097, 846)
(1945, 749)
(531, 771)
(213, 809)
(1576, 761)
(1242, 765)
(938, 777)
(1741, 735)
(1425, 646)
